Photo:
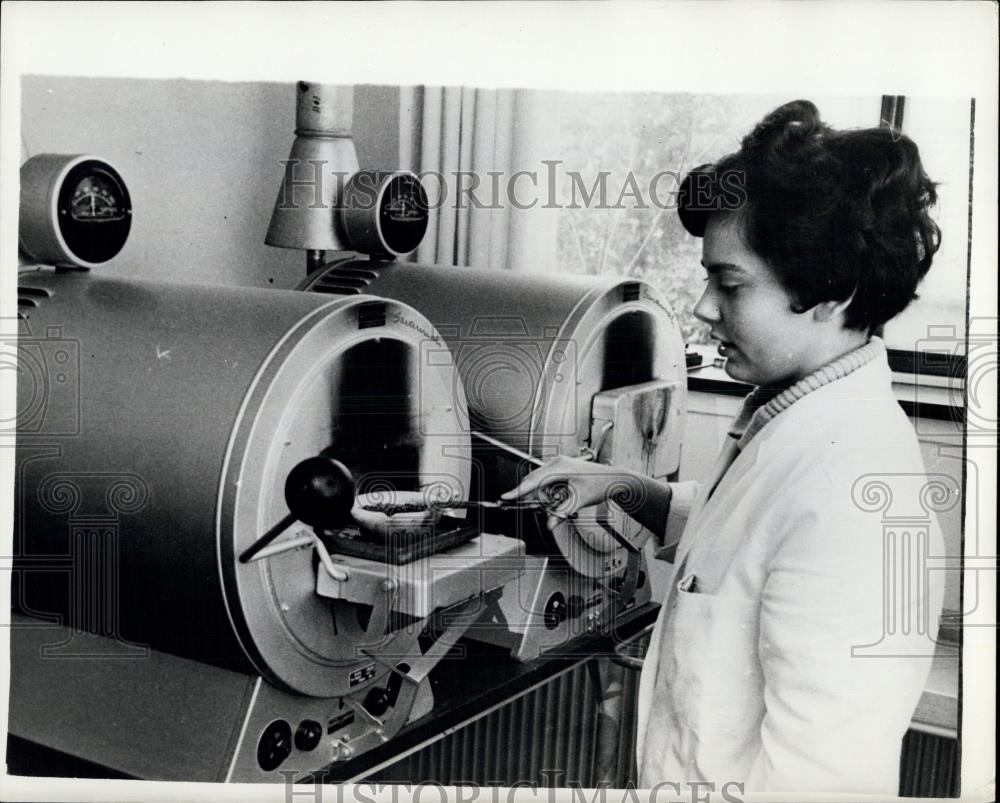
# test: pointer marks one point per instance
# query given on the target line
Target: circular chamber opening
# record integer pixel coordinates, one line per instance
(376, 401)
(358, 409)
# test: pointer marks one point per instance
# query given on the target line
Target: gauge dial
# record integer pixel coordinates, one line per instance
(95, 198)
(94, 212)
(403, 213)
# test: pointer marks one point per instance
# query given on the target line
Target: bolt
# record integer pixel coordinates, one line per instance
(342, 751)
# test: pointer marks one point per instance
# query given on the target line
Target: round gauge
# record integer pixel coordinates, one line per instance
(75, 210)
(97, 197)
(384, 213)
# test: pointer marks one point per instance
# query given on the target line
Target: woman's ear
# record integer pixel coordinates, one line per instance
(828, 310)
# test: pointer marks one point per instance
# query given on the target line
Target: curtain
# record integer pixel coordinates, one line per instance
(466, 142)
(456, 136)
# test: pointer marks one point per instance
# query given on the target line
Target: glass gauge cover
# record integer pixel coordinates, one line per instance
(94, 211)
(403, 214)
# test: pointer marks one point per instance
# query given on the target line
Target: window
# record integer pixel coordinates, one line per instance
(941, 129)
(630, 229)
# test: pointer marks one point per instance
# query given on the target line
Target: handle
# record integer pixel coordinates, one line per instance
(506, 447)
(319, 492)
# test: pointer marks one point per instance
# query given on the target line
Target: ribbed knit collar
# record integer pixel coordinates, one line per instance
(762, 405)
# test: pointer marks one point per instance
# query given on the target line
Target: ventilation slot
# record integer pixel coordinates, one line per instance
(340, 285)
(630, 292)
(357, 273)
(336, 290)
(348, 279)
(29, 297)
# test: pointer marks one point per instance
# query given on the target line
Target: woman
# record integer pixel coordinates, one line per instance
(813, 238)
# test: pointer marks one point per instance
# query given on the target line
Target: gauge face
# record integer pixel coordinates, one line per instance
(94, 211)
(96, 197)
(403, 213)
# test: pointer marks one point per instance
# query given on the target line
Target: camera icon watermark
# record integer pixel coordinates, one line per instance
(47, 369)
(981, 380)
(969, 365)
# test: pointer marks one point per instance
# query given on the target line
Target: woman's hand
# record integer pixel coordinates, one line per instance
(568, 484)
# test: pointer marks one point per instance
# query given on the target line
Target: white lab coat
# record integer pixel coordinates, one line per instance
(750, 677)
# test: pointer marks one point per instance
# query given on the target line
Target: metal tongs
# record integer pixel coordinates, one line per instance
(500, 504)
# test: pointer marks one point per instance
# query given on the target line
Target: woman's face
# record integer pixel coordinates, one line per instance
(750, 312)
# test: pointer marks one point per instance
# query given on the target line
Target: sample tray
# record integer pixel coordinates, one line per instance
(403, 543)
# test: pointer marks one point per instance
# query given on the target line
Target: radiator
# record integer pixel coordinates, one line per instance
(552, 736)
(930, 766)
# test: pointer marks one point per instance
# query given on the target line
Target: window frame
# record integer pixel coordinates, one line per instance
(919, 362)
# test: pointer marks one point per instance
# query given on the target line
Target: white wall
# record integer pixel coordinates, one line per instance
(202, 163)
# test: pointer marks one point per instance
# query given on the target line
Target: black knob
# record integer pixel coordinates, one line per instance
(319, 492)
(308, 734)
(376, 702)
(555, 611)
(274, 745)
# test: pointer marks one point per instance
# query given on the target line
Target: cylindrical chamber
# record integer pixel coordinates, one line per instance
(163, 419)
(533, 350)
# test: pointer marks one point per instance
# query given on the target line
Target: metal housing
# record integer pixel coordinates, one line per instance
(157, 423)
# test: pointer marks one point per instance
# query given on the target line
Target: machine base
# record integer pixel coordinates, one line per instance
(157, 716)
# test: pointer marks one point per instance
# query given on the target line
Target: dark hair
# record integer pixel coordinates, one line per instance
(834, 213)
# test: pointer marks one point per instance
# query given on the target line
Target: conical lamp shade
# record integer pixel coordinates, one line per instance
(305, 211)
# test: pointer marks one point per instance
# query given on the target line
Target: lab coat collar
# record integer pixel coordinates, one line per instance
(760, 408)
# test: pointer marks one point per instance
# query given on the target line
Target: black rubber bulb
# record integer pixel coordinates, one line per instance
(319, 492)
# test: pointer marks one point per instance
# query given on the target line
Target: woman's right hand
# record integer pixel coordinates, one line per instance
(567, 484)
